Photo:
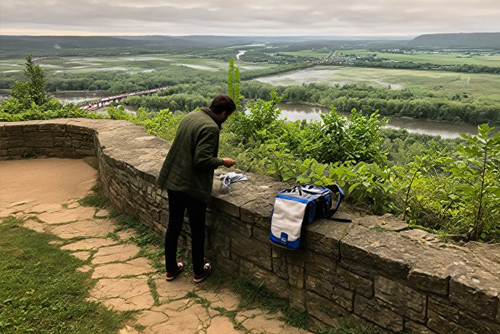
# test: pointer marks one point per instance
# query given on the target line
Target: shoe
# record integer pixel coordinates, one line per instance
(207, 268)
(172, 276)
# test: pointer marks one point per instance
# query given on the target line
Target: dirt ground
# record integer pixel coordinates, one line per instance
(44, 180)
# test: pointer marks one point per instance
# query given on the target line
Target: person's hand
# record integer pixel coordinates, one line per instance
(228, 162)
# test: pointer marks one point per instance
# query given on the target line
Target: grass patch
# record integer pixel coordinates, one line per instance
(139, 327)
(232, 316)
(42, 292)
(95, 200)
(145, 236)
(150, 242)
(217, 280)
(256, 295)
(442, 58)
(114, 236)
(154, 291)
(198, 299)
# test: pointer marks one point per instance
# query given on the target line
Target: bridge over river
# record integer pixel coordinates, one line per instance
(105, 101)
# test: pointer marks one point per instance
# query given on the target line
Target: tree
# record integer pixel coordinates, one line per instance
(237, 87)
(230, 78)
(32, 90)
(233, 83)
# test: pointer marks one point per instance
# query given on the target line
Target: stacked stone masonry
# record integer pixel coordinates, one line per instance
(372, 271)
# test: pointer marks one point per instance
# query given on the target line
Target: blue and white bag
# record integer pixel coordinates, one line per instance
(301, 205)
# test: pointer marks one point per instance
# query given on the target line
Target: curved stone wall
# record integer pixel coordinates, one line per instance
(373, 271)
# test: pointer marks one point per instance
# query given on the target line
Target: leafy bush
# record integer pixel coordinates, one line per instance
(162, 124)
(29, 101)
(460, 193)
(52, 109)
(334, 150)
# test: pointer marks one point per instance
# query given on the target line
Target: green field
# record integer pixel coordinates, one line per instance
(309, 53)
(438, 58)
(131, 64)
(484, 85)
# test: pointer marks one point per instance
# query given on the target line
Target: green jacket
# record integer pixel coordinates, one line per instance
(192, 158)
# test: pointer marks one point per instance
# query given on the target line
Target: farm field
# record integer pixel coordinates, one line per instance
(309, 53)
(131, 64)
(478, 85)
(441, 58)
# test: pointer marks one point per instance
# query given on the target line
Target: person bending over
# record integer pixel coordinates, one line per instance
(187, 174)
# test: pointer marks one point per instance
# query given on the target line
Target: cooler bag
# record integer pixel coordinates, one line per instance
(301, 205)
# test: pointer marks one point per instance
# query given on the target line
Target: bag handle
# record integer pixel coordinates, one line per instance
(293, 189)
(308, 188)
(337, 190)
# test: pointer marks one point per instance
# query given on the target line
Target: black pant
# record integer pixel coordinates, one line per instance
(178, 202)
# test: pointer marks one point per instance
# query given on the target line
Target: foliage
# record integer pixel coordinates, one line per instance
(230, 78)
(42, 292)
(29, 101)
(458, 192)
(258, 122)
(478, 173)
(118, 113)
(335, 138)
(162, 124)
(31, 91)
(177, 101)
(357, 138)
(428, 180)
(233, 83)
(52, 109)
(334, 150)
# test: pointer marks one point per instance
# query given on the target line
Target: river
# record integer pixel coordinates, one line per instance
(295, 112)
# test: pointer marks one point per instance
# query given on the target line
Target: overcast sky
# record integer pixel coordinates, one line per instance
(255, 17)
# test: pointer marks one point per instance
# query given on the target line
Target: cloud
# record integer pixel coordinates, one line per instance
(258, 17)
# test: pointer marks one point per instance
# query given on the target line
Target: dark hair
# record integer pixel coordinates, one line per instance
(222, 103)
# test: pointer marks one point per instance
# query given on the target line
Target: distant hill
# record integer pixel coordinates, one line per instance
(20, 46)
(458, 41)
(76, 45)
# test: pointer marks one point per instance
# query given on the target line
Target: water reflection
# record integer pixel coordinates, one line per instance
(294, 112)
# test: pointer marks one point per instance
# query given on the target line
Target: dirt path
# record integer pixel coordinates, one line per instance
(48, 190)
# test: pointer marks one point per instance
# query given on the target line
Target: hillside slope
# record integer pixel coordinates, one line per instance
(458, 41)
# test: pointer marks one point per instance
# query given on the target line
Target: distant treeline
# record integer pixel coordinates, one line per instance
(122, 82)
(251, 74)
(119, 82)
(457, 108)
(464, 68)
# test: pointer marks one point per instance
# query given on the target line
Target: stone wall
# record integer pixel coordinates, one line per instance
(374, 271)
